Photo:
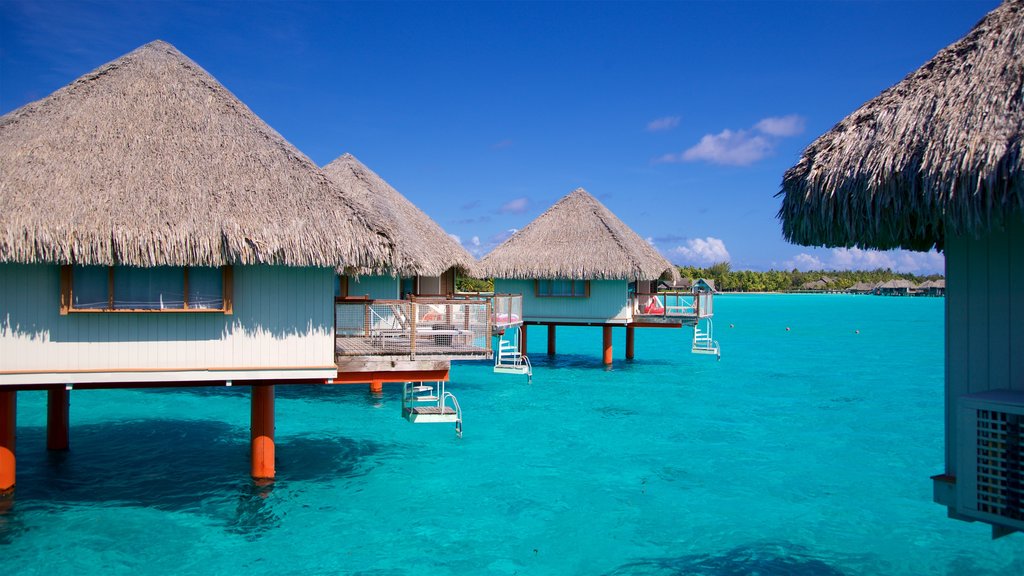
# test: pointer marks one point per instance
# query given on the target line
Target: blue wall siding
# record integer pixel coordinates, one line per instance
(376, 287)
(608, 302)
(283, 318)
(984, 319)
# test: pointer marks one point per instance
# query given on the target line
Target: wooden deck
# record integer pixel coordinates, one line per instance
(401, 346)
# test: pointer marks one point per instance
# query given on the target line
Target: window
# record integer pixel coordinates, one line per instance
(562, 288)
(158, 289)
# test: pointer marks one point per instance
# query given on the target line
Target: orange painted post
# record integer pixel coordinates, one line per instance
(376, 387)
(630, 334)
(551, 339)
(8, 419)
(607, 345)
(262, 427)
(57, 402)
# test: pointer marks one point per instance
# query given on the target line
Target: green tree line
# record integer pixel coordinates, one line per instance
(729, 280)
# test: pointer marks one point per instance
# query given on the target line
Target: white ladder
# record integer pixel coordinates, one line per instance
(510, 359)
(703, 340)
(426, 404)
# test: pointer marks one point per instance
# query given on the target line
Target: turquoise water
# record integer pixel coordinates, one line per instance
(805, 451)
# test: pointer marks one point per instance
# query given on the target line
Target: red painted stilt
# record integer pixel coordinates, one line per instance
(8, 424)
(262, 426)
(57, 403)
(607, 345)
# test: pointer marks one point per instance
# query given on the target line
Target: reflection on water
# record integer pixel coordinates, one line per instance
(761, 559)
(196, 466)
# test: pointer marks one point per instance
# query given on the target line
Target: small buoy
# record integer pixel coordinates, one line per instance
(856, 331)
(732, 325)
(787, 328)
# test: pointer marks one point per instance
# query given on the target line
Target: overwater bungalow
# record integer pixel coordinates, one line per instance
(379, 311)
(897, 287)
(936, 161)
(862, 288)
(932, 288)
(577, 264)
(155, 232)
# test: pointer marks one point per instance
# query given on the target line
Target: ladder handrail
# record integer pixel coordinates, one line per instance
(455, 404)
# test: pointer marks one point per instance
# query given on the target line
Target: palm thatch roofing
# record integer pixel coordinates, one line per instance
(939, 153)
(897, 284)
(862, 287)
(149, 161)
(421, 240)
(577, 238)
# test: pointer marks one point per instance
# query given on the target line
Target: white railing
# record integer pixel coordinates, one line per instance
(421, 327)
(673, 304)
(506, 309)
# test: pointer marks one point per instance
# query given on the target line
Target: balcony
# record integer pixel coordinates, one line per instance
(506, 309)
(420, 329)
(672, 307)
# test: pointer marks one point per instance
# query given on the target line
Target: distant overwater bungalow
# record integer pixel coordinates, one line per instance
(155, 232)
(577, 264)
(936, 162)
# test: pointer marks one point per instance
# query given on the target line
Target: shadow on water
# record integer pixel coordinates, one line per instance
(761, 559)
(174, 465)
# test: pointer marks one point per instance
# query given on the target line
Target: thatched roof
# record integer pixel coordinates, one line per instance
(862, 287)
(814, 285)
(576, 238)
(421, 240)
(938, 153)
(897, 284)
(932, 284)
(148, 160)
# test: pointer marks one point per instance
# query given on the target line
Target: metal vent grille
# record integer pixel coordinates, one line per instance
(1000, 471)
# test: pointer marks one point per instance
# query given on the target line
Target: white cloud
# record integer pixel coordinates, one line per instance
(456, 238)
(663, 124)
(859, 259)
(516, 206)
(804, 261)
(781, 125)
(475, 241)
(738, 148)
(702, 251)
(650, 240)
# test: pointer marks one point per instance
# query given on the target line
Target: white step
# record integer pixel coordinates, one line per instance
(421, 388)
(424, 398)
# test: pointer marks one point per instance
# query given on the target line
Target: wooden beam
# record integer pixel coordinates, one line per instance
(630, 336)
(607, 337)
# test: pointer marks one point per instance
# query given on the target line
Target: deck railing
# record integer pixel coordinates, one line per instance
(673, 304)
(424, 327)
(506, 309)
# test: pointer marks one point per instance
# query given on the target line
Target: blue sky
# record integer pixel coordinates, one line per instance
(680, 117)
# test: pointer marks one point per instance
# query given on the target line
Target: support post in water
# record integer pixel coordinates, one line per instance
(551, 339)
(57, 404)
(8, 424)
(262, 435)
(630, 335)
(607, 345)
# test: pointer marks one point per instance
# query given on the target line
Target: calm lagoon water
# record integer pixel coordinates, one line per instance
(805, 451)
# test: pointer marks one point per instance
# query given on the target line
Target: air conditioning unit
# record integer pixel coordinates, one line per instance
(990, 458)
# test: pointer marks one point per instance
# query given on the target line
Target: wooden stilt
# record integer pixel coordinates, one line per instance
(8, 425)
(607, 345)
(522, 334)
(57, 403)
(262, 435)
(376, 387)
(551, 339)
(630, 334)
